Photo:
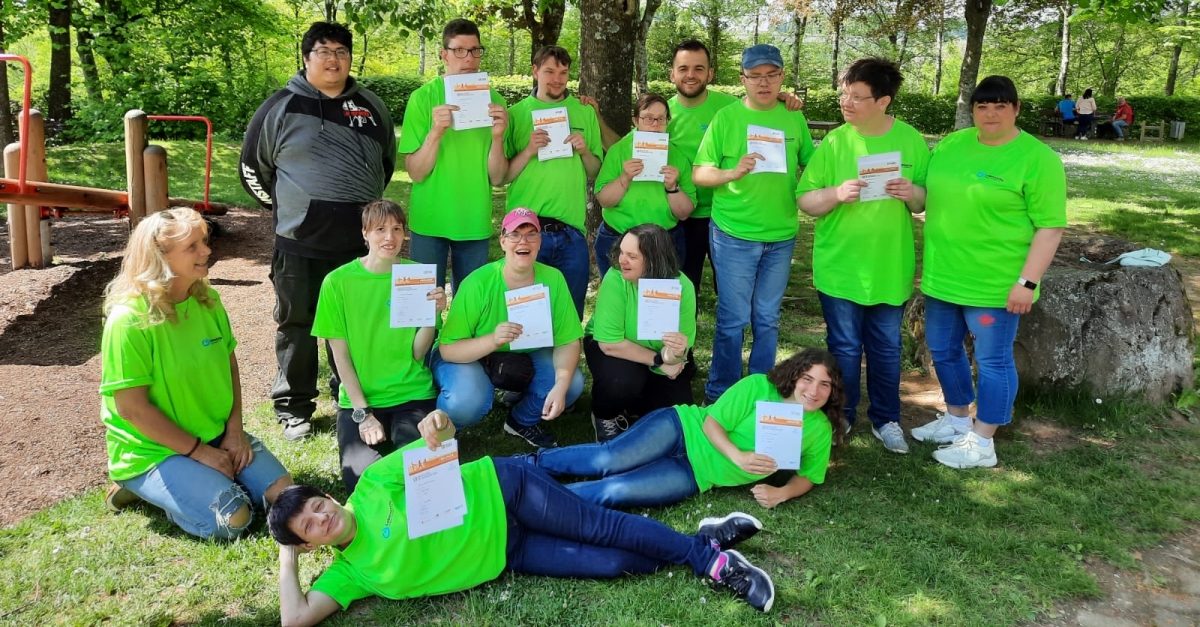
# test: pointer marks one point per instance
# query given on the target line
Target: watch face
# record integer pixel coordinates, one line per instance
(358, 415)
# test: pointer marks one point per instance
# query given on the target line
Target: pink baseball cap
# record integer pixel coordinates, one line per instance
(517, 217)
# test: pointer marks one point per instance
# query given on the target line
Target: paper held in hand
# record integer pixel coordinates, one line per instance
(779, 432)
(433, 490)
(555, 122)
(472, 94)
(530, 308)
(876, 171)
(769, 143)
(651, 148)
(411, 284)
(658, 307)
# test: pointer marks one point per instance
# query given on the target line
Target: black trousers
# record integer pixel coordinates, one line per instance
(399, 427)
(620, 385)
(695, 233)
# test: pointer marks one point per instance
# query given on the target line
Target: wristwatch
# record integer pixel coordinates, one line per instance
(658, 360)
(360, 414)
(1026, 283)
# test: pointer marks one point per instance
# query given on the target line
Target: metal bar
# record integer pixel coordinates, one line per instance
(23, 168)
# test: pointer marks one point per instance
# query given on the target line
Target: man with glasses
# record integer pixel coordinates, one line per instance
(754, 225)
(863, 255)
(315, 152)
(453, 171)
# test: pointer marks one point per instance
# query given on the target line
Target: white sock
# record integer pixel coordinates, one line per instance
(959, 421)
(984, 442)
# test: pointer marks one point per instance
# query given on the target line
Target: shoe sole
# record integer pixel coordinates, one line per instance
(938, 440)
(293, 437)
(509, 430)
(902, 451)
(704, 522)
(983, 463)
(770, 582)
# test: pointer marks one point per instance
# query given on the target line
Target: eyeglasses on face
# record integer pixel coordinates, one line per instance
(763, 79)
(462, 53)
(855, 100)
(516, 238)
(645, 119)
(326, 54)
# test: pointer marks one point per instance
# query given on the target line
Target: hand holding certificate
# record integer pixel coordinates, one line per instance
(651, 148)
(658, 307)
(876, 171)
(530, 308)
(472, 94)
(433, 490)
(769, 143)
(556, 124)
(411, 284)
(779, 432)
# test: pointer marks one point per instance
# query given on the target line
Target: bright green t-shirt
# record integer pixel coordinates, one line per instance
(863, 251)
(616, 315)
(735, 411)
(185, 367)
(984, 205)
(382, 561)
(759, 207)
(356, 306)
(479, 306)
(556, 188)
(687, 128)
(455, 199)
(645, 202)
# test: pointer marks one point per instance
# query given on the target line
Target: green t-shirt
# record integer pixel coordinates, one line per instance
(455, 199)
(185, 367)
(479, 306)
(382, 561)
(687, 128)
(645, 202)
(616, 315)
(984, 205)
(759, 207)
(735, 411)
(355, 305)
(863, 251)
(556, 188)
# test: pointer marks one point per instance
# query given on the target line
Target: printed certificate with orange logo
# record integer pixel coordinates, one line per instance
(530, 308)
(555, 122)
(433, 489)
(472, 94)
(411, 284)
(779, 432)
(651, 148)
(769, 143)
(658, 307)
(876, 171)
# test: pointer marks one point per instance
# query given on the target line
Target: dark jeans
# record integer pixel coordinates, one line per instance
(297, 282)
(399, 427)
(695, 233)
(566, 248)
(1085, 124)
(853, 329)
(607, 237)
(620, 385)
(552, 532)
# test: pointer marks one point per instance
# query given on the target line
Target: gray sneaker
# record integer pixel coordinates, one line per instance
(294, 427)
(892, 437)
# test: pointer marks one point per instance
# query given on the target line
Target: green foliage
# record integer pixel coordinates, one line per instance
(393, 91)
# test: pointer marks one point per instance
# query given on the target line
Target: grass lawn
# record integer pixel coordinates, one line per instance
(888, 540)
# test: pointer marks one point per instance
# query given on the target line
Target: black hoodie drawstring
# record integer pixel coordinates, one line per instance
(321, 110)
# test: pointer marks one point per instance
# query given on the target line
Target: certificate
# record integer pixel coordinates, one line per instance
(779, 431)
(658, 307)
(411, 284)
(876, 171)
(530, 308)
(555, 122)
(651, 148)
(472, 94)
(769, 143)
(433, 489)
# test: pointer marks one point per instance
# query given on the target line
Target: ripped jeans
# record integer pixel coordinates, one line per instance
(201, 500)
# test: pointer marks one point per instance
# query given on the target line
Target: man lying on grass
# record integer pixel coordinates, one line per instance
(518, 518)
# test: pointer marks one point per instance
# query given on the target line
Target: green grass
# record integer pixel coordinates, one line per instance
(888, 540)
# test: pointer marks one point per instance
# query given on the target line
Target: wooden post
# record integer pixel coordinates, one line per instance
(35, 171)
(17, 245)
(155, 160)
(135, 169)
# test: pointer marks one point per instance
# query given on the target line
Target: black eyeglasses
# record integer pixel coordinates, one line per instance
(462, 53)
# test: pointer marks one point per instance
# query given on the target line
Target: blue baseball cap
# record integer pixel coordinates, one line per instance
(761, 54)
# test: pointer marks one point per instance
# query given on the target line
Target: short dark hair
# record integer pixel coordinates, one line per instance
(456, 27)
(691, 45)
(378, 211)
(881, 75)
(993, 89)
(326, 32)
(785, 374)
(558, 53)
(645, 100)
(657, 248)
(287, 507)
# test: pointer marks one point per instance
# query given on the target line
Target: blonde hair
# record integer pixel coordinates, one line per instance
(144, 272)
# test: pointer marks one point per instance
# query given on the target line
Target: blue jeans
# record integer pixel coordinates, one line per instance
(1119, 126)
(646, 466)
(851, 330)
(201, 500)
(751, 279)
(466, 255)
(994, 330)
(567, 250)
(467, 393)
(606, 238)
(553, 533)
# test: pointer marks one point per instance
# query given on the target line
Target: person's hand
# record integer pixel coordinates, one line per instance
(672, 370)
(670, 176)
(632, 168)
(214, 458)
(236, 445)
(900, 189)
(499, 119)
(292, 551)
(371, 431)
(506, 332)
(538, 139)
(767, 496)
(677, 344)
(578, 143)
(745, 164)
(791, 102)
(438, 296)
(849, 190)
(430, 425)
(589, 101)
(556, 402)
(1020, 299)
(755, 464)
(442, 119)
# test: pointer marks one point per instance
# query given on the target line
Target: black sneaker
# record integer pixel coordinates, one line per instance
(294, 427)
(607, 429)
(509, 398)
(534, 434)
(731, 530)
(747, 581)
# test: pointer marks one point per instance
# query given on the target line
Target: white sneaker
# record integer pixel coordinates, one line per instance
(966, 452)
(943, 430)
(892, 437)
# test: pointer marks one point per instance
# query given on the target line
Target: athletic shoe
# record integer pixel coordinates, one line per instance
(118, 498)
(746, 580)
(892, 437)
(730, 530)
(533, 434)
(966, 452)
(607, 429)
(294, 427)
(508, 398)
(942, 430)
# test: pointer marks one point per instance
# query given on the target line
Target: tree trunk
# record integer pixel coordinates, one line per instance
(1109, 79)
(362, 56)
(837, 48)
(58, 95)
(87, 63)
(512, 49)
(642, 69)
(421, 62)
(941, 45)
(1173, 70)
(903, 49)
(331, 10)
(544, 31)
(1064, 59)
(801, 24)
(756, 16)
(715, 40)
(976, 13)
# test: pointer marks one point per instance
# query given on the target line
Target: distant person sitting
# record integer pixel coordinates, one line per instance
(1066, 107)
(1122, 119)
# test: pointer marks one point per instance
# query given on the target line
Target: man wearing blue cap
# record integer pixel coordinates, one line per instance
(750, 156)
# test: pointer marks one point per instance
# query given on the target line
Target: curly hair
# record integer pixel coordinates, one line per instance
(658, 251)
(786, 373)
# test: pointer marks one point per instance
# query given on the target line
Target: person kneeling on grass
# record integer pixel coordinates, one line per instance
(518, 519)
(675, 452)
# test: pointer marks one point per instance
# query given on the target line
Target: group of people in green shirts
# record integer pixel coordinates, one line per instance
(994, 204)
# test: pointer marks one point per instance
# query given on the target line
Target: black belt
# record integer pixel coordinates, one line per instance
(554, 225)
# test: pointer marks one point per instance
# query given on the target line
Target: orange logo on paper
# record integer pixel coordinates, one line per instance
(651, 145)
(414, 280)
(880, 169)
(471, 87)
(432, 462)
(549, 120)
(765, 138)
(525, 299)
(768, 419)
(662, 295)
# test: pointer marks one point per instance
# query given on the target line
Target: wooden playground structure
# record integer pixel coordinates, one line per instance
(33, 200)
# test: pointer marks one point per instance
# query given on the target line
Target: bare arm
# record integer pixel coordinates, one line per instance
(566, 361)
(517, 164)
(770, 496)
(712, 176)
(297, 609)
(133, 404)
(611, 194)
(1041, 254)
(346, 372)
(497, 162)
(748, 461)
(420, 163)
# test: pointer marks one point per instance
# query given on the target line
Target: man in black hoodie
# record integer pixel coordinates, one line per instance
(314, 154)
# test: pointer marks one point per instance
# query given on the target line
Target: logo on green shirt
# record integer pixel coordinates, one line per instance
(387, 526)
(210, 342)
(985, 175)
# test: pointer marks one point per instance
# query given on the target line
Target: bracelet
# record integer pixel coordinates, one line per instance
(673, 191)
(194, 447)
